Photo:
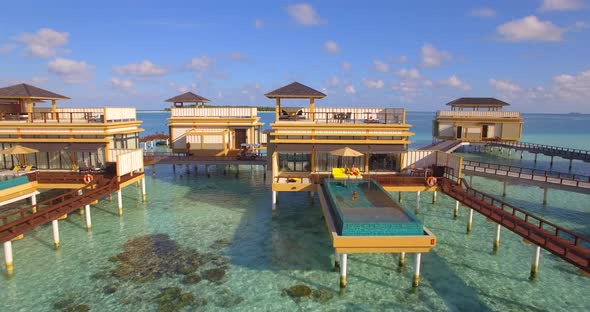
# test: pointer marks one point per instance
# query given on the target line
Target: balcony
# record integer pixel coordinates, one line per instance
(73, 115)
(477, 114)
(213, 112)
(344, 115)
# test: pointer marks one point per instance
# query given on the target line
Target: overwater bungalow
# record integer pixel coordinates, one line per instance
(66, 138)
(88, 152)
(477, 119)
(212, 131)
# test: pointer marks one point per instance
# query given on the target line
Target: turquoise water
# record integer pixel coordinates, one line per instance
(249, 256)
(364, 208)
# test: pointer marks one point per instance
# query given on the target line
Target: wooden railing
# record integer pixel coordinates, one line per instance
(221, 112)
(565, 152)
(569, 179)
(345, 115)
(562, 242)
(472, 114)
(74, 115)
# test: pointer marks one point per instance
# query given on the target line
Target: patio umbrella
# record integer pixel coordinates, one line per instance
(19, 150)
(346, 152)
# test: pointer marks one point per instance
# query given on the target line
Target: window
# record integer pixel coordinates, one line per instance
(294, 162)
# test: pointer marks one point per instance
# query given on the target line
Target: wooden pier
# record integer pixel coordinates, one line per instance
(559, 241)
(548, 150)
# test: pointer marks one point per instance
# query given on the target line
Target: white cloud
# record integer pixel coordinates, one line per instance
(454, 82)
(332, 47)
(45, 43)
(561, 5)
(402, 59)
(572, 88)
(432, 57)
(530, 28)
(345, 66)
(483, 12)
(504, 86)
(349, 89)
(7, 48)
(39, 80)
(200, 63)
(258, 23)
(409, 74)
(304, 14)
(333, 82)
(380, 66)
(143, 69)
(121, 84)
(182, 88)
(238, 56)
(70, 71)
(373, 83)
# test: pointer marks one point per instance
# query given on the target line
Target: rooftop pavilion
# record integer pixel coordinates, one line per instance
(211, 131)
(476, 119)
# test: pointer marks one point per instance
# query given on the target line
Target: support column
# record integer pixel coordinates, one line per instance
(545, 191)
(88, 221)
(8, 257)
(570, 167)
(274, 200)
(434, 197)
(402, 259)
(336, 260)
(416, 280)
(535, 262)
(456, 211)
(343, 263)
(536, 158)
(551, 163)
(34, 202)
(143, 194)
(399, 198)
(504, 188)
(120, 202)
(497, 239)
(417, 202)
(521, 154)
(471, 180)
(470, 222)
(55, 234)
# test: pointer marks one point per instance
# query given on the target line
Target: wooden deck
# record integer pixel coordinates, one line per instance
(559, 241)
(175, 158)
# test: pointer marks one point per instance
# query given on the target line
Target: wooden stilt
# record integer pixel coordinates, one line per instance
(470, 222)
(55, 227)
(120, 202)
(545, 191)
(417, 211)
(535, 262)
(343, 264)
(456, 211)
(8, 261)
(88, 221)
(402, 259)
(416, 281)
(497, 238)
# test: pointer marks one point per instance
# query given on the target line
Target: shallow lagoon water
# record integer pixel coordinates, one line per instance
(269, 253)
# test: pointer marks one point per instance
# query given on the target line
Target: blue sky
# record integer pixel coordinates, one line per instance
(415, 54)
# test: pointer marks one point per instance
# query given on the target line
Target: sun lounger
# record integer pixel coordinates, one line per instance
(340, 173)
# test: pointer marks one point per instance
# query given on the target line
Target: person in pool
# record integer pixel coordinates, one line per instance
(355, 195)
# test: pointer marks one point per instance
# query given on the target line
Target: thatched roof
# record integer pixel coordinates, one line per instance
(295, 90)
(188, 97)
(25, 91)
(477, 101)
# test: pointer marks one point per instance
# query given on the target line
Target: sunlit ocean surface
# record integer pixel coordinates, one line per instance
(249, 259)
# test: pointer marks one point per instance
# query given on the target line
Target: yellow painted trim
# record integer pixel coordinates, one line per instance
(136, 178)
(17, 191)
(316, 141)
(294, 187)
(415, 188)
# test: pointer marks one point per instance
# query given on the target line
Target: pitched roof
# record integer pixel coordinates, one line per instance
(477, 101)
(295, 90)
(188, 97)
(24, 90)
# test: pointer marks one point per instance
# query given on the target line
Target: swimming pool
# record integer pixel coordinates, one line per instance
(364, 208)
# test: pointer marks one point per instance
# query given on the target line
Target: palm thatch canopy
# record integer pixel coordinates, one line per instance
(188, 97)
(26, 91)
(295, 90)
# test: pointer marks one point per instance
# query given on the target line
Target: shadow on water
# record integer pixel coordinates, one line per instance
(293, 239)
(457, 295)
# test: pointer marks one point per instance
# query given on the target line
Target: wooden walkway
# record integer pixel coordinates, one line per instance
(20, 221)
(573, 182)
(444, 146)
(549, 150)
(559, 241)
